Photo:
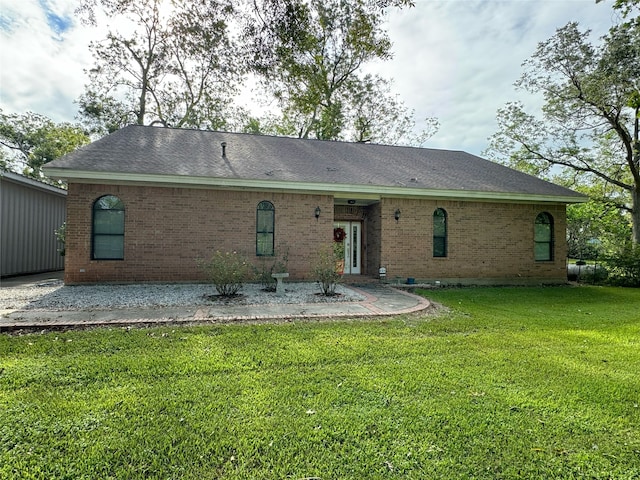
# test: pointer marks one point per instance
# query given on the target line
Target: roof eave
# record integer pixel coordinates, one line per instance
(26, 181)
(353, 191)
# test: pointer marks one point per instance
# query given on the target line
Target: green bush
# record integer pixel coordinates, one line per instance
(61, 236)
(624, 268)
(278, 263)
(325, 272)
(594, 275)
(228, 271)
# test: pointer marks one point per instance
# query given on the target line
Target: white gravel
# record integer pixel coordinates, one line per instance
(53, 295)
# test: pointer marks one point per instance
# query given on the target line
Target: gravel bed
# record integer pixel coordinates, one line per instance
(56, 296)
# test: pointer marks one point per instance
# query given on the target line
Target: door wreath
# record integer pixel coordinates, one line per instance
(339, 235)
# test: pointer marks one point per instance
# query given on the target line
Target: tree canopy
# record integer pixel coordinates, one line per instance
(182, 63)
(310, 56)
(588, 127)
(170, 63)
(31, 140)
(179, 64)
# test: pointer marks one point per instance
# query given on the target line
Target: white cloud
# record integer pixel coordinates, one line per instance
(457, 60)
(453, 59)
(41, 64)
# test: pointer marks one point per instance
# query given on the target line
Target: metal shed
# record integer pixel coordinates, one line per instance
(30, 212)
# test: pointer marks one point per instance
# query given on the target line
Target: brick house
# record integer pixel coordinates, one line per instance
(143, 203)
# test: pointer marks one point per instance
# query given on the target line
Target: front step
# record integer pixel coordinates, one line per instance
(360, 279)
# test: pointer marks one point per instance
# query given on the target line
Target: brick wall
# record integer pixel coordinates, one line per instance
(167, 229)
(373, 245)
(486, 241)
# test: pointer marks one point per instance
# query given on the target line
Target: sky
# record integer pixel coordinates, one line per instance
(456, 60)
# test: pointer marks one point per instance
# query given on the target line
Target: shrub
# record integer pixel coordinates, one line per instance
(269, 265)
(228, 271)
(61, 236)
(324, 270)
(624, 268)
(594, 274)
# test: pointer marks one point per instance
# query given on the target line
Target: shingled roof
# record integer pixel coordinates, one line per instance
(180, 156)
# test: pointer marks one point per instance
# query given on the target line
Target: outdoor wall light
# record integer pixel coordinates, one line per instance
(317, 212)
(397, 215)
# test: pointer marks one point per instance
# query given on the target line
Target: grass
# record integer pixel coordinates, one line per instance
(511, 383)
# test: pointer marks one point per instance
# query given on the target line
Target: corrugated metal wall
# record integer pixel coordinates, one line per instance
(30, 213)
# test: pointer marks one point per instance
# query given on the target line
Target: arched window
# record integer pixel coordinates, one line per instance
(440, 233)
(108, 229)
(265, 226)
(543, 237)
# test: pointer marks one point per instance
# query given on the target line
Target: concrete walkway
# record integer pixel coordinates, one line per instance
(380, 300)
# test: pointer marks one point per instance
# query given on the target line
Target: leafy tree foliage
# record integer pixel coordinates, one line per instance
(624, 268)
(595, 228)
(171, 63)
(176, 63)
(626, 8)
(376, 115)
(310, 55)
(381, 117)
(31, 140)
(589, 124)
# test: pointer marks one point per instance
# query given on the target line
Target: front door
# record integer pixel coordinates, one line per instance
(352, 246)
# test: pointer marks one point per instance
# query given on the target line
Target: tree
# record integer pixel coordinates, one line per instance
(31, 140)
(309, 56)
(596, 227)
(376, 115)
(168, 63)
(626, 8)
(589, 126)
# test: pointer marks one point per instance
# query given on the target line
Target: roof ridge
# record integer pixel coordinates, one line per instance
(288, 137)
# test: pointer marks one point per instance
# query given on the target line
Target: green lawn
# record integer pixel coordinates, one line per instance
(511, 383)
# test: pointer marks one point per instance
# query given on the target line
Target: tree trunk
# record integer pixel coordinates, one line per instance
(635, 215)
(142, 101)
(635, 171)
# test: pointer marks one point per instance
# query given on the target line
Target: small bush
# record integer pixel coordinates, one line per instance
(228, 271)
(269, 265)
(624, 268)
(594, 275)
(324, 270)
(61, 236)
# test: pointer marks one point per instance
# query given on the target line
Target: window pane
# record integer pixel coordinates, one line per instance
(265, 221)
(354, 246)
(264, 244)
(543, 251)
(265, 206)
(543, 237)
(108, 228)
(108, 202)
(439, 247)
(439, 226)
(439, 233)
(265, 225)
(108, 247)
(108, 221)
(543, 232)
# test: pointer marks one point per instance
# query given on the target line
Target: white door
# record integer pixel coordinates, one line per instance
(352, 246)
